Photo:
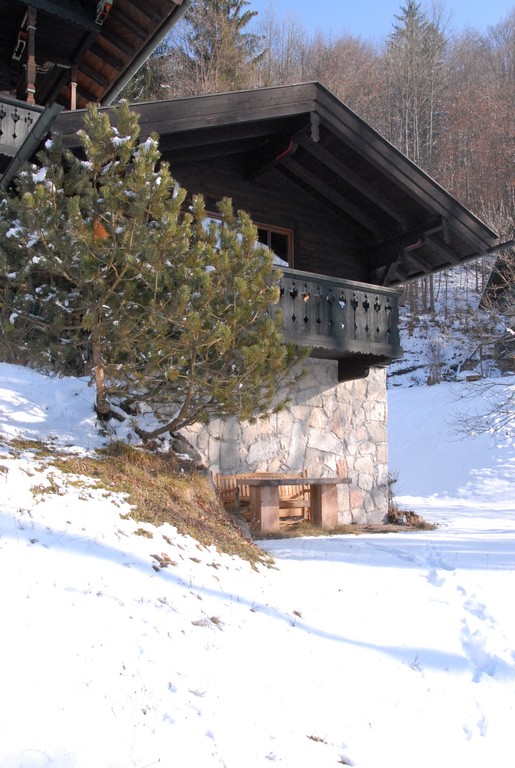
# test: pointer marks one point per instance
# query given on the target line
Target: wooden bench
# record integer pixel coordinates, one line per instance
(234, 492)
(265, 505)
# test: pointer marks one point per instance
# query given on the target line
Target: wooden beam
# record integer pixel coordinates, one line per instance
(337, 200)
(350, 177)
(388, 251)
(106, 57)
(214, 140)
(87, 96)
(386, 275)
(123, 19)
(115, 41)
(417, 262)
(445, 250)
(229, 109)
(274, 152)
(94, 75)
(146, 10)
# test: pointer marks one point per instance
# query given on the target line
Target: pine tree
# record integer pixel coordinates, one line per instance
(415, 59)
(214, 51)
(105, 272)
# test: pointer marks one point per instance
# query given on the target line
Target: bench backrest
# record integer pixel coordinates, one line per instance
(232, 494)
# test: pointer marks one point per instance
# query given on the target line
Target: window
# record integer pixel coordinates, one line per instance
(280, 242)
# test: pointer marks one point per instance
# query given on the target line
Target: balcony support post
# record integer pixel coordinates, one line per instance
(31, 55)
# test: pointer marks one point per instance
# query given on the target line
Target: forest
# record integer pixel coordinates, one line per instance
(444, 100)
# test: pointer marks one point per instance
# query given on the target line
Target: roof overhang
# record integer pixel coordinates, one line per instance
(80, 51)
(97, 45)
(403, 223)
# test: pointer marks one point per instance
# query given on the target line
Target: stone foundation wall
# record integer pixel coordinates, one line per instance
(328, 428)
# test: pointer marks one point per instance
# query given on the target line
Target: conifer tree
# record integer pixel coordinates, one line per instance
(416, 80)
(105, 272)
(214, 51)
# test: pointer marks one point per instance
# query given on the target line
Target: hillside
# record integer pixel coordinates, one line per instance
(125, 649)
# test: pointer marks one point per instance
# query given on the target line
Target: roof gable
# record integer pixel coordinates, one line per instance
(404, 224)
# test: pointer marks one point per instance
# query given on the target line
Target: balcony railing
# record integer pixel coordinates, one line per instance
(16, 121)
(340, 318)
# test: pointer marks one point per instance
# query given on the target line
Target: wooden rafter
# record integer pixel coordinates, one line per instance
(445, 250)
(350, 177)
(418, 262)
(116, 42)
(145, 9)
(126, 22)
(274, 152)
(106, 57)
(339, 201)
(94, 75)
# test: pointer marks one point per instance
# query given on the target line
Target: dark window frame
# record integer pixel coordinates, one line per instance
(268, 231)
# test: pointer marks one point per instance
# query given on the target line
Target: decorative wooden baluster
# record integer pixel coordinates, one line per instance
(354, 304)
(28, 120)
(366, 306)
(15, 117)
(3, 114)
(377, 308)
(293, 293)
(343, 303)
(388, 310)
(306, 295)
(330, 301)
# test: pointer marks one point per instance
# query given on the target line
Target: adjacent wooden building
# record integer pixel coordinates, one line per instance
(57, 54)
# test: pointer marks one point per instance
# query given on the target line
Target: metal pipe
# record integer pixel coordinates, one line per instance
(501, 247)
(138, 62)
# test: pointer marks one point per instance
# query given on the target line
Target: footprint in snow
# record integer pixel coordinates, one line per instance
(436, 560)
(473, 644)
(478, 610)
(435, 578)
(479, 726)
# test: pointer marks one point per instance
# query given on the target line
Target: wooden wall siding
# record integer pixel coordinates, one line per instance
(322, 241)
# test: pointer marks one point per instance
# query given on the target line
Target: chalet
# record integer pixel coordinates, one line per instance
(350, 218)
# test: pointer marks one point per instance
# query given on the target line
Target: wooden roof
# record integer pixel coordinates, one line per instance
(104, 46)
(401, 221)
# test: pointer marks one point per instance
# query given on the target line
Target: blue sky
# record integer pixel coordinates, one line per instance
(373, 19)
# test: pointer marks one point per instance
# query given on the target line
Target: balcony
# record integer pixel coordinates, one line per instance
(23, 127)
(354, 323)
(16, 121)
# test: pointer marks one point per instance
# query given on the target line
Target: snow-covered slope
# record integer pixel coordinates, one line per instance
(376, 651)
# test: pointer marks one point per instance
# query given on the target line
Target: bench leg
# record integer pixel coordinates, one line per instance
(324, 506)
(264, 508)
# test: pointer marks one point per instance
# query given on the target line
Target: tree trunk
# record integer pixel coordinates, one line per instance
(101, 402)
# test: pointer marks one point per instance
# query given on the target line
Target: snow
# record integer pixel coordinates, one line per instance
(39, 175)
(380, 651)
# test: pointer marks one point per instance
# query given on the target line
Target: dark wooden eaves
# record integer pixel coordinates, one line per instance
(400, 222)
